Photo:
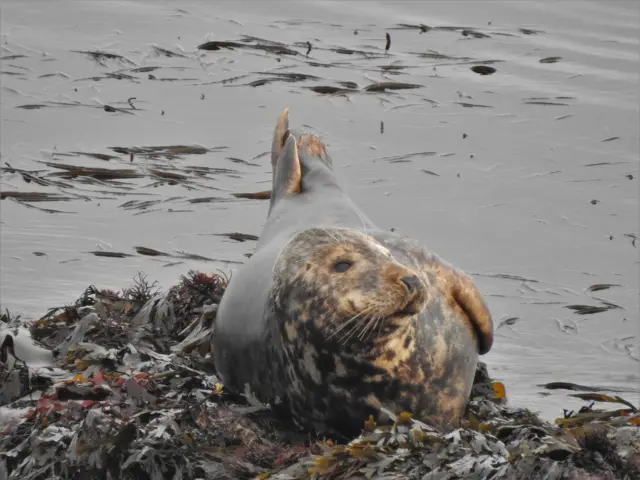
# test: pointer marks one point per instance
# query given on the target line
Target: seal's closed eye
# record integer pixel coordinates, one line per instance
(342, 266)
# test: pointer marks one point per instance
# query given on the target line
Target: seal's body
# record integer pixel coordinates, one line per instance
(332, 318)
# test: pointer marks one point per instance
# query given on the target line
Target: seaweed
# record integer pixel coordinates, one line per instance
(275, 48)
(134, 394)
(101, 57)
(384, 86)
(483, 69)
(550, 59)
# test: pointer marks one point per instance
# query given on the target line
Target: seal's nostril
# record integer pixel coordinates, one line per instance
(412, 282)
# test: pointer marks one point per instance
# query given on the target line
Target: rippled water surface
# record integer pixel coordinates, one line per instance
(526, 178)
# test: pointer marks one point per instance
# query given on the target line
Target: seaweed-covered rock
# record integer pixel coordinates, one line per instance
(120, 385)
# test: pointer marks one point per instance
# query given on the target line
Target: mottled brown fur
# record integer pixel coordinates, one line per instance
(349, 341)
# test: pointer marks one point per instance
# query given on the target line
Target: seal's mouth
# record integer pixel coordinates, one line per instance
(412, 308)
(417, 295)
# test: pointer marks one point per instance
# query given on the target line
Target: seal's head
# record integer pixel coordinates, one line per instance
(345, 287)
(358, 329)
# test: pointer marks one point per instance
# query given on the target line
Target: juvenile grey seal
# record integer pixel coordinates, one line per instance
(333, 318)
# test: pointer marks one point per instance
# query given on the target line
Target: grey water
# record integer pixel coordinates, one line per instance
(527, 178)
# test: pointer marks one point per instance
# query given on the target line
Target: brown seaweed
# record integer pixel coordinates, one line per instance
(483, 69)
(112, 407)
(99, 156)
(405, 156)
(601, 286)
(467, 32)
(241, 161)
(101, 57)
(165, 52)
(238, 237)
(105, 253)
(265, 195)
(473, 105)
(165, 151)
(71, 171)
(384, 86)
(34, 196)
(542, 102)
(277, 49)
(329, 90)
(151, 252)
(591, 309)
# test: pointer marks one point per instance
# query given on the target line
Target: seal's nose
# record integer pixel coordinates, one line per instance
(412, 283)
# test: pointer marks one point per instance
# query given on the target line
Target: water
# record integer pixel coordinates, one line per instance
(532, 191)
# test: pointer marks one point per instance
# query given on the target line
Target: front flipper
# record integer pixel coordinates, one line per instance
(464, 298)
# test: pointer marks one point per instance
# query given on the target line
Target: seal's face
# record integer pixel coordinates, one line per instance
(346, 287)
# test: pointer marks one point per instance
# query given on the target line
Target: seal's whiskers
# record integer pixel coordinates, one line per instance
(364, 224)
(329, 234)
(379, 325)
(349, 322)
(354, 329)
(368, 327)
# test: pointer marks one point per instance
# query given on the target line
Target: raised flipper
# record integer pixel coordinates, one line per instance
(287, 175)
(310, 145)
(279, 137)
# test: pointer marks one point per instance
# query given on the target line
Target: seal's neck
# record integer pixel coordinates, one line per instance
(317, 174)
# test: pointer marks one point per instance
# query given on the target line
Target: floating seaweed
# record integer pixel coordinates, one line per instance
(241, 161)
(12, 57)
(101, 57)
(592, 309)
(403, 157)
(384, 86)
(159, 51)
(529, 31)
(265, 195)
(238, 237)
(601, 286)
(278, 49)
(542, 102)
(507, 321)
(330, 90)
(99, 156)
(169, 152)
(105, 253)
(483, 69)
(473, 105)
(35, 196)
(467, 32)
(151, 252)
(72, 171)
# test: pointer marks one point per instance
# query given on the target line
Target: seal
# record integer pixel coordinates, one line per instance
(334, 319)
